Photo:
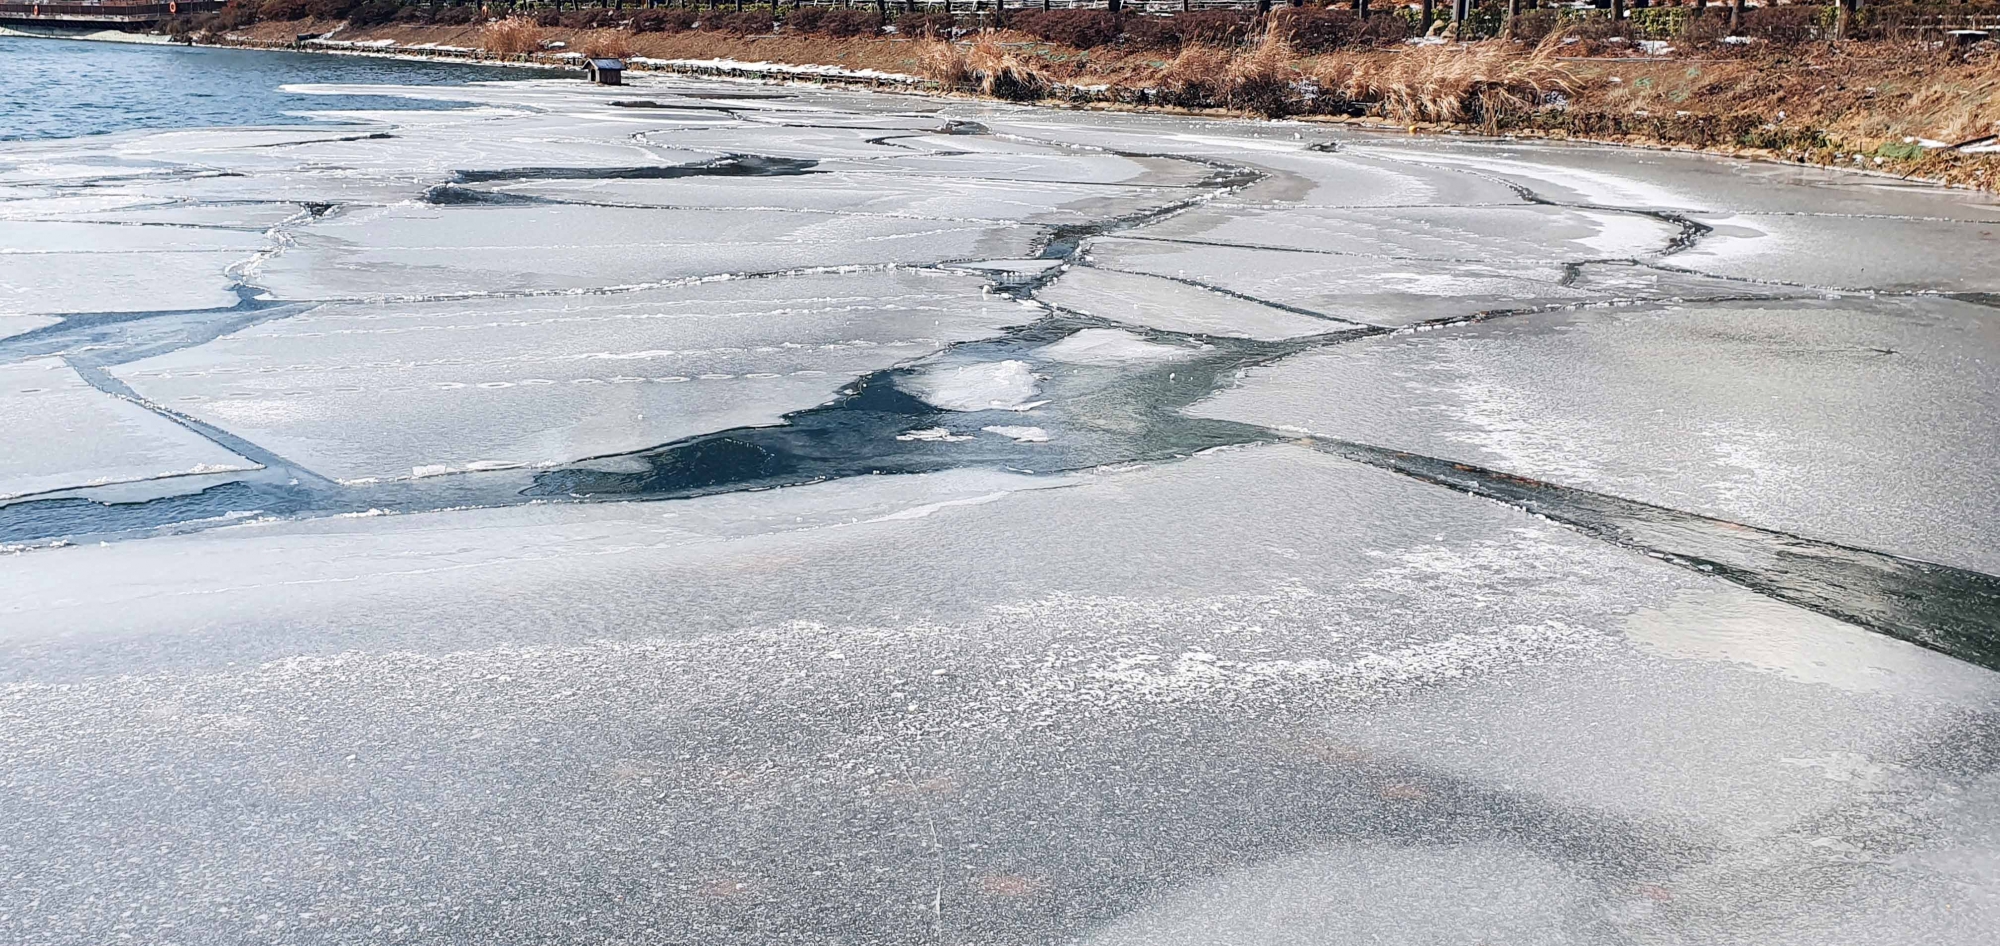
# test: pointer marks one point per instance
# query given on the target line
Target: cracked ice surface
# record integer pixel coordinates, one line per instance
(1184, 685)
(1161, 303)
(1844, 420)
(63, 433)
(1364, 684)
(382, 390)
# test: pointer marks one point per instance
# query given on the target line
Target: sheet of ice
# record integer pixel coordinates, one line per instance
(58, 267)
(1486, 235)
(357, 391)
(413, 251)
(1110, 347)
(1861, 421)
(1336, 702)
(64, 283)
(1356, 286)
(62, 433)
(1667, 180)
(982, 386)
(1385, 678)
(932, 434)
(1851, 253)
(11, 325)
(1159, 303)
(894, 195)
(141, 491)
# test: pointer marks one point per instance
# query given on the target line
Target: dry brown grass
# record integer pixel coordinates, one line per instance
(1003, 75)
(1958, 104)
(1260, 81)
(985, 67)
(512, 36)
(1196, 78)
(1481, 83)
(945, 64)
(604, 44)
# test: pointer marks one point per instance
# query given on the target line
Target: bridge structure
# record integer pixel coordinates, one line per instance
(84, 13)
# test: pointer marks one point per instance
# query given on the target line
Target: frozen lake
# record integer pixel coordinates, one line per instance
(724, 513)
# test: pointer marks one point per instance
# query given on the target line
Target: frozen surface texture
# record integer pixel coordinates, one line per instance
(1843, 419)
(741, 514)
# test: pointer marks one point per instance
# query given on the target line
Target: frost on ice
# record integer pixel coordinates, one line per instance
(878, 680)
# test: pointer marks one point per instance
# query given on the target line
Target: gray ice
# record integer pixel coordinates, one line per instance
(1205, 685)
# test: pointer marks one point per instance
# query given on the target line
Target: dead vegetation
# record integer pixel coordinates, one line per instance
(605, 44)
(513, 36)
(1487, 84)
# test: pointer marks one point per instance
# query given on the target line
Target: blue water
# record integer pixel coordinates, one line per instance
(52, 88)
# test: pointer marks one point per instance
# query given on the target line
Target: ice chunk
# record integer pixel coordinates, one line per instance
(1110, 347)
(932, 435)
(999, 385)
(1019, 434)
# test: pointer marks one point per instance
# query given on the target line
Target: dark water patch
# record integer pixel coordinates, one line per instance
(674, 106)
(452, 195)
(1946, 609)
(732, 165)
(1988, 299)
(1095, 415)
(43, 520)
(98, 339)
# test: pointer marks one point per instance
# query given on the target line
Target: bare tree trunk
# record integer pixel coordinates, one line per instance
(1361, 9)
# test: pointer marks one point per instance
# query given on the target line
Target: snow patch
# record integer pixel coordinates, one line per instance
(992, 386)
(1109, 347)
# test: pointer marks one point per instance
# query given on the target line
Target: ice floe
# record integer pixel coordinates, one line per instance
(62, 433)
(994, 386)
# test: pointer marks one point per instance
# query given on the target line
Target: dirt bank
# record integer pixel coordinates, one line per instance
(1874, 105)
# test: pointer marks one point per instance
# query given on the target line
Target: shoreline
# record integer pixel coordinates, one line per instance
(827, 75)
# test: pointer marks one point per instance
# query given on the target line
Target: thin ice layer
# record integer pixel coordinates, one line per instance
(63, 433)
